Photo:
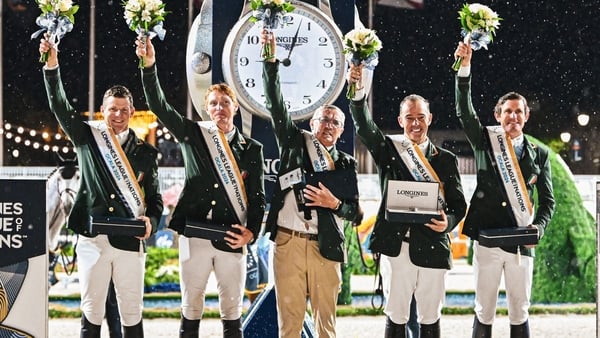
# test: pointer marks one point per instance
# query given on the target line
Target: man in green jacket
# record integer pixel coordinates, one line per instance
(124, 186)
(414, 257)
(209, 198)
(309, 244)
(494, 205)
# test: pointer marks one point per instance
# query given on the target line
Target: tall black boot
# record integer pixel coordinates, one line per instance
(189, 328)
(520, 331)
(481, 330)
(232, 328)
(89, 330)
(136, 331)
(393, 330)
(430, 330)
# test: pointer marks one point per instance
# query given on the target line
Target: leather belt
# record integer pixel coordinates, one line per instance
(294, 233)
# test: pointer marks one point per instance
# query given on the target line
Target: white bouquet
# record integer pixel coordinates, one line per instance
(145, 17)
(479, 24)
(57, 18)
(272, 14)
(361, 46)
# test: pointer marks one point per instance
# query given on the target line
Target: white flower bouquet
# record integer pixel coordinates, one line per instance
(272, 14)
(361, 46)
(145, 17)
(57, 18)
(479, 24)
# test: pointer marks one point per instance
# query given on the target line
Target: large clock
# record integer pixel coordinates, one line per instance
(312, 66)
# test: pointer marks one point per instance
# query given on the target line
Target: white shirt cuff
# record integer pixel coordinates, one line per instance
(464, 71)
(50, 68)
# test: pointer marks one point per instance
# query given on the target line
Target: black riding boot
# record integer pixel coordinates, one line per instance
(89, 330)
(136, 331)
(520, 331)
(232, 328)
(430, 330)
(481, 330)
(393, 330)
(189, 328)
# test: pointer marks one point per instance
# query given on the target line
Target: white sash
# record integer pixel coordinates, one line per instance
(319, 156)
(226, 168)
(510, 174)
(118, 166)
(417, 164)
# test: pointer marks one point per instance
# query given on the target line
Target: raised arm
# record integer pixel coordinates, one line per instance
(464, 104)
(283, 124)
(69, 119)
(155, 96)
(366, 129)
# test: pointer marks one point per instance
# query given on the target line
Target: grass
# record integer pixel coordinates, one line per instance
(58, 311)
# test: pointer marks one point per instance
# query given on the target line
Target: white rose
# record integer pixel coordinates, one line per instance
(278, 2)
(65, 5)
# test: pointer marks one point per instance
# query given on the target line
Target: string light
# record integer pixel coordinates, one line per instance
(57, 142)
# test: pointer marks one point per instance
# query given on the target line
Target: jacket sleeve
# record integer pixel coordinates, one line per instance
(456, 205)
(152, 196)
(545, 194)
(69, 119)
(466, 112)
(366, 129)
(256, 193)
(158, 104)
(283, 125)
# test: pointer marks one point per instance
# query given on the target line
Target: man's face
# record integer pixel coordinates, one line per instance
(117, 111)
(512, 117)
(221, 109)
(328, 127)
(415, 119)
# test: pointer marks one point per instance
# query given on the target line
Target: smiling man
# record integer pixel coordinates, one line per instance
(414, 257)
(119, 179)
(503, 151)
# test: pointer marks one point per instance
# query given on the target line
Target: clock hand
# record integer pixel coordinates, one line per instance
(286, 62)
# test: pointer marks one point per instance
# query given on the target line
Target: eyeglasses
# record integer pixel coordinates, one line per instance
(333, 122)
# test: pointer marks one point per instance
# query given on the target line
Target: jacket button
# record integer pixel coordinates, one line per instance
(112, 196)
(503, 204)
(111, 209)
(216, 186)
(213, 202)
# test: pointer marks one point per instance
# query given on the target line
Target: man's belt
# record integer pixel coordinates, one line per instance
(294, 233)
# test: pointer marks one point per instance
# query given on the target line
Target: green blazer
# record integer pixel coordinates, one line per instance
(202, 191)
(427, 248)
(96, 195)
(487, 208)
(293, 155)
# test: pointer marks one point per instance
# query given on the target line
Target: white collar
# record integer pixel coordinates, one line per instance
(122, 136)
(518, 141)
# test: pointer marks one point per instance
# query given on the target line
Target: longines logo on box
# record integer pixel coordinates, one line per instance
(412, 193)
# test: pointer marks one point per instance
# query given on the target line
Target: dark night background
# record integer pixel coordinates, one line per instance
(546, 50)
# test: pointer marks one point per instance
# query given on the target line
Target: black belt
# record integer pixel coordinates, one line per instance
(310, 237)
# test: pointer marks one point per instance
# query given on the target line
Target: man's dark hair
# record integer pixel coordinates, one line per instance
(118, 91)
(510, 96)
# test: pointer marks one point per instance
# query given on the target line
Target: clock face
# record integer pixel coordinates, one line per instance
(312, 71)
